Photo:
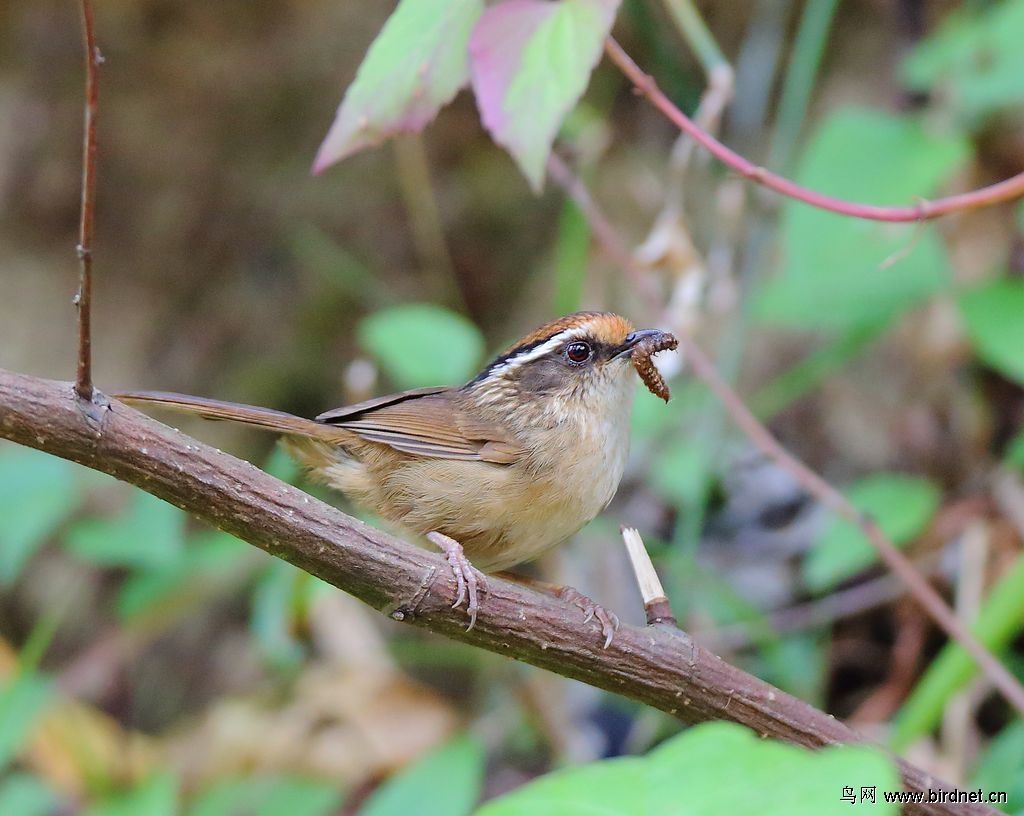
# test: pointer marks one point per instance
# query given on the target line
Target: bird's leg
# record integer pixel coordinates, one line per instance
(591, 611)
(469, 579)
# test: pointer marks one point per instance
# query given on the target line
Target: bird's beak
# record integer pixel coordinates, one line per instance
(635, 337)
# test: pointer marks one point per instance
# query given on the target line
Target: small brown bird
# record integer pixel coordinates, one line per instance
(494, 472)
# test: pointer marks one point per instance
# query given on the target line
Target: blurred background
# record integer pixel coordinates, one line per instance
(151, 665)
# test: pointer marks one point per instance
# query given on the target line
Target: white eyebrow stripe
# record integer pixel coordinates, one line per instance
(544, 348)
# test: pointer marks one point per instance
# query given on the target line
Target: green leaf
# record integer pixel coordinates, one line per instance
(209, 556)
(902, 505)
(976, 58)
(420, 345)
(415, 66)
(696, 772)
(572, 252)
(26, 795)
(994, 315)
(797, 664)
(447, 782)
(37, 492)
(268, 796)
(681, 471)
(22, 699)
(840, 273)
(1001, 767)
(530, 63)
(1015, 452)
(155, 796)
(150, 535)
(273, 606)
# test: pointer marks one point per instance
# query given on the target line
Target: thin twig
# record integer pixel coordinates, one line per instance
(658, 666)
(924, 210)
(83, 300)
(717, 94)
(816, 486)
(895, 560)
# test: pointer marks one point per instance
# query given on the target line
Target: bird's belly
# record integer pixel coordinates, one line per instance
(501, 515)
(549, 506)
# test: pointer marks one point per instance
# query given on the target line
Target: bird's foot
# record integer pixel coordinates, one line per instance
(469, 579)
(609, 620)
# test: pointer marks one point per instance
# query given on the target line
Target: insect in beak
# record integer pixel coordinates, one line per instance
(634, 338)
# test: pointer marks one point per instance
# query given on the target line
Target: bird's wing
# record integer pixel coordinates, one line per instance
(426, 422)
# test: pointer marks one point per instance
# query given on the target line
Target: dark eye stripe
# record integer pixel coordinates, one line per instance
(599, 351)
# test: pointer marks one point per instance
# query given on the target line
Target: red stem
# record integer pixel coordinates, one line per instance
(922, 211)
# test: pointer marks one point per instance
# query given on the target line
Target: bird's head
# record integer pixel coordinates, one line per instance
(579, 362)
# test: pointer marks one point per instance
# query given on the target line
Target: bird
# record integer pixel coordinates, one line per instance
(494, 472)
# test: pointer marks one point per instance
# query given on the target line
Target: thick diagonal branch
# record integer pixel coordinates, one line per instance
(658, 665)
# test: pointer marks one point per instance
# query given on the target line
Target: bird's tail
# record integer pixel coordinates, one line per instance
(267, 418)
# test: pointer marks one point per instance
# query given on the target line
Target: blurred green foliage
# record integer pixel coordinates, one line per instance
(999, 621)
(1001, 767)
(268, 796)
(150, 535)
(840, 273)
(167, 569)
(842, 285)
(992, 313)
(155, 796)
(975, 59)
(22, 699)
(420, 345)
(902, 505)
(458, 766)
(38, 493)
(26, 795)
(711, 768)
(1015, 452)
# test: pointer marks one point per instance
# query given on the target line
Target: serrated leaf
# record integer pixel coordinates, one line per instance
(994, 315)
(421, 344)
(530, 62)
(840, 273)
(415, 789)
(696, 772)
(37, 492)
(150, 535)
(902, 505)
(417, 64)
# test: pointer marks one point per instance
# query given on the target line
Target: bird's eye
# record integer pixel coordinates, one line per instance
(578, 353)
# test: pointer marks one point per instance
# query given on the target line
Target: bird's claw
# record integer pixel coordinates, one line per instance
(609, 620)
(470, 582)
